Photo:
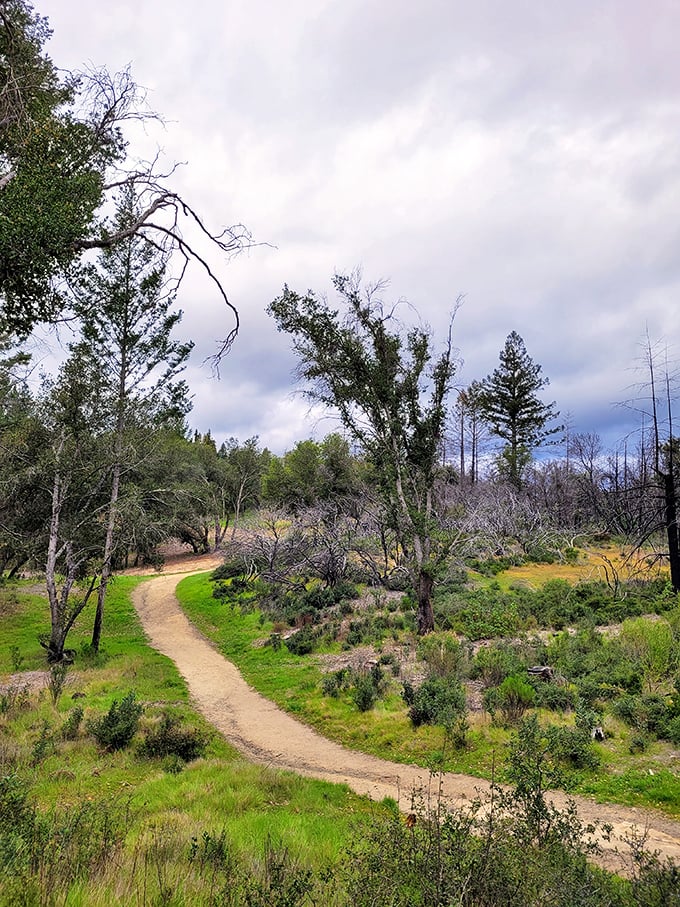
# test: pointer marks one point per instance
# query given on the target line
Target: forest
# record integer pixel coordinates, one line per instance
(453, 578)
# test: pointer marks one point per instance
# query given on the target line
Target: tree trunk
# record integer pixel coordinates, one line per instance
(107, 554)
(425, 613)
(672, 529)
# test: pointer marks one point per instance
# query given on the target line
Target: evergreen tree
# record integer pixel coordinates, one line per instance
(126, 307)
(510, 405)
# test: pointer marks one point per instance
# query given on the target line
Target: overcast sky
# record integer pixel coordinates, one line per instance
(521, 153)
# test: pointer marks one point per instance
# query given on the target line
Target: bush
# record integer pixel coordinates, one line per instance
(572, 747)
(492, 664)
(71, 726)
(553, 696)
(444, 655)
(436, 701)
(332, 684)
(115, 730)
(513, 697)
(648, 714)
(170, 739)
(364, 693)
(302, 642)
(228, 570)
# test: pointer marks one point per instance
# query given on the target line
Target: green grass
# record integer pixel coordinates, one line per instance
(294, 683)
(313, 820)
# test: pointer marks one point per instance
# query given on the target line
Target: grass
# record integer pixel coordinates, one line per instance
(219, 793)
(294, 683)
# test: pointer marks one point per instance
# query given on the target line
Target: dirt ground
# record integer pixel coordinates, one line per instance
(267, 735)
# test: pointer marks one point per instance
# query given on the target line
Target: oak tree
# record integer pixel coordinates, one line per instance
(390, 394)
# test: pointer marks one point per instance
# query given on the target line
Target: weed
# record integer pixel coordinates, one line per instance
(71, 726)
(16, 658)
(44, 746)
(56, 680)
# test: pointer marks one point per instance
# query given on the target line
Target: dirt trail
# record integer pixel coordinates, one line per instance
(266, 734)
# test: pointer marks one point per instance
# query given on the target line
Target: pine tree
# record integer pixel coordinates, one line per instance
(511, 407)
(126, 307)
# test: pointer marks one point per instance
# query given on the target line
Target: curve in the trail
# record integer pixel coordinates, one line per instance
(268, 735)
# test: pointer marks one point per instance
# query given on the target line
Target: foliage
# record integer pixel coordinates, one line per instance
(515, 850)
(169, 738)
(512, 698)
(438, 700)
(389, 398)
(56, 680)
(493, 663)
(42, 853)
(115, 729)
(509, 403)
(302, 642)
(62, 154)
(651, 645)
(444, 656)
(71, 726)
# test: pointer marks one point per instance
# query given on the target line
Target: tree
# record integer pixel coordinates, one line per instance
(468, 431)
(510, 405)
(127, 315)
(63, 153)
(391, 399)
(73, 475)
(246, 464)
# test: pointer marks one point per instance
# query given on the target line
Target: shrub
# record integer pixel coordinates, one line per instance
(302, 642)
(553, 696)
(71, 726)
(56, 680)
(44, 746)
(572, 747)
(492, 664)
(513, 697)
(364, 693)
(650, 714)
(673, 731)
(331, 684)
(444, 655)
(117, 727)
(436, 701)
(170, 739)
(228, 570)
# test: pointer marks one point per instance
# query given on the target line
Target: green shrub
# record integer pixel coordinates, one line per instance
(170, 739)
(444, 655)
(492, 664)
(228, 570)
(364, 693)
(436, 701)
(115, 729)
(44, 745)
(71, 726)
(651, 714)
(302, 642)
(553, 696)
(512, 698)
(572, 747)
(332, 684)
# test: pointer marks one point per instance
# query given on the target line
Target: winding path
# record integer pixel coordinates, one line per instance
(267, 735)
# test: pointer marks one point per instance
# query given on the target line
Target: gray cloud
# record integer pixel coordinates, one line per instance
(522, 154)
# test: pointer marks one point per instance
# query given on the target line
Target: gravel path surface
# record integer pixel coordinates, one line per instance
(266, 734)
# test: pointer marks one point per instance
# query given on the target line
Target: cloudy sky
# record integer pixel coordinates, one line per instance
(524, 154)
